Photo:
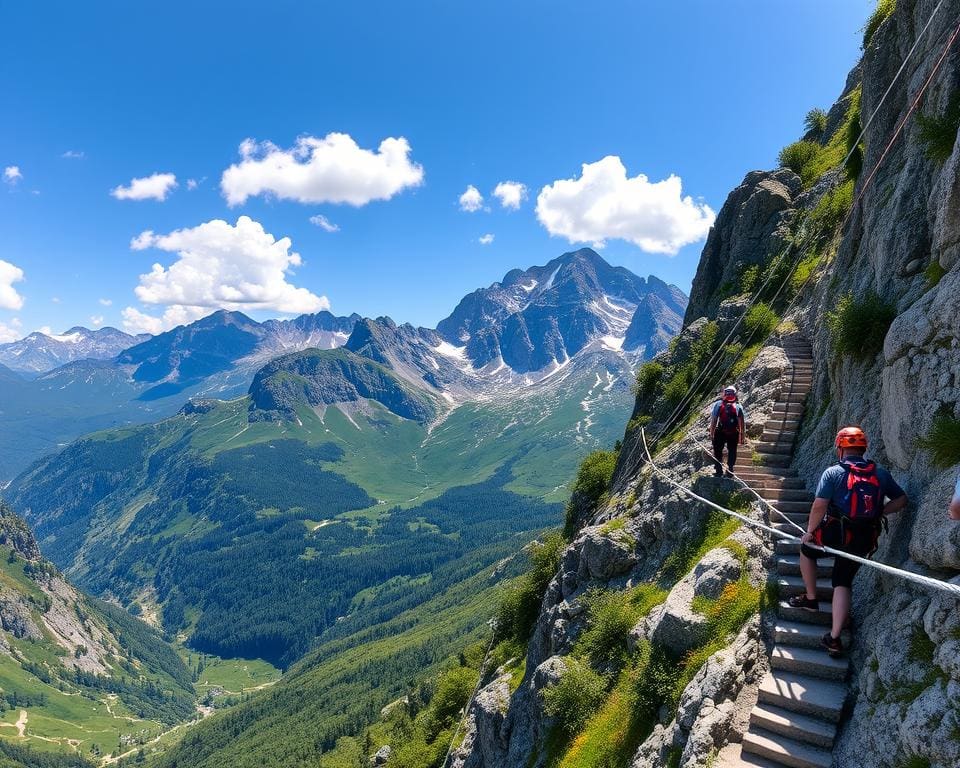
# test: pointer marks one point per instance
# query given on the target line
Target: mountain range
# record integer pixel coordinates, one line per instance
(40, 352)
(502, 339)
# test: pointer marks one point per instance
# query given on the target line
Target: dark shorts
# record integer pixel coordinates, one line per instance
(835, 534)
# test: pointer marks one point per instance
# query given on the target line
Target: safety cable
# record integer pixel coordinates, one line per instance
(473, 694)
(944, 586)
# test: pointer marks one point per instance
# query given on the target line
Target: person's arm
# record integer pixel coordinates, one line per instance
(955, 508)
(743, 428)
(713, 421)
(896, 495)
(895, 505)
(817, 512)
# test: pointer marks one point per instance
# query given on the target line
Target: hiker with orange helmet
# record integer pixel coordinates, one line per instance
(727, 429)
(852, 499)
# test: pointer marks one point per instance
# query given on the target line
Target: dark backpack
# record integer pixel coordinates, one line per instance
(728, 418)
(863, 501)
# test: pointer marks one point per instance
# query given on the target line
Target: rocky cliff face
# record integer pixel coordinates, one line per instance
(899, 248)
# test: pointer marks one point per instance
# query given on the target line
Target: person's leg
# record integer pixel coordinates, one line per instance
(732, 452)
(808, 570)
(841, 609)
(718, 454)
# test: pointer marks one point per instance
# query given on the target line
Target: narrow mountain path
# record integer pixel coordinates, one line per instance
(800, 700)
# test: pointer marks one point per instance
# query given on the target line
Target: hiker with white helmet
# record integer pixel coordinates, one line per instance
(727, 429)
(852, 499)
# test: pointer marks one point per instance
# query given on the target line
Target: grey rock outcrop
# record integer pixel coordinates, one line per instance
(748, 228)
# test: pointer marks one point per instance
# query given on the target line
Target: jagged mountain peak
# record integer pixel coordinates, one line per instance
(547, 314)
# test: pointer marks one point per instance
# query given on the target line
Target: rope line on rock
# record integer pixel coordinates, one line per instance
(473, 694)
(910, 111)
(752, 490)
(943, 586)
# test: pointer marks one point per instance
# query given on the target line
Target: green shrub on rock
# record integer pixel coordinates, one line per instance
(801, 157)
(943, 440)
(938, 134)
(883, 11)
(648, 377)
(859, 326)
(575, 697)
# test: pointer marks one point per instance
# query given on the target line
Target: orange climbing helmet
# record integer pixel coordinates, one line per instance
(851, 437)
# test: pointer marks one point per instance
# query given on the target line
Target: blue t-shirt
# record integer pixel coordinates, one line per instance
(833, 484)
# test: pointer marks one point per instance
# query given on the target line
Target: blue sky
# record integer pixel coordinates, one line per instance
(526, 91)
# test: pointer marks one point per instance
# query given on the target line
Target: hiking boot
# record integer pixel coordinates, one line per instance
(718, 473)
(802, 601)
(728, 473)
(832, 644)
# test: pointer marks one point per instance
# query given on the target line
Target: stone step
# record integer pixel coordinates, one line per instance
(782, 423)
(821, 617)
(786, 751)
(777, 436)
(774, 477)
(765, 460)
(793, 725)
(799, 634)
(774, 446)
(790, 407)
(804, 694)
(765, 469)
(801, 507)
(783, 547)
(789, 565)
(776, 516)
(807, 661)
(783, 526)
(787, 494)
(793, 585)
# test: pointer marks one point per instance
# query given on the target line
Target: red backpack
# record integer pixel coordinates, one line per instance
(863, 501)
(728, 418)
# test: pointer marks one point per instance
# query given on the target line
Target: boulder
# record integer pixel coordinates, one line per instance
(382, 756)
(718, 568)
(604, 555)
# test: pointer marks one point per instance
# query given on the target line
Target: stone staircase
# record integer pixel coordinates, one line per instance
(800, 700)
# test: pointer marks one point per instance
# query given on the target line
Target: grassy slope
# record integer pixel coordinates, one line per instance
(61, 716)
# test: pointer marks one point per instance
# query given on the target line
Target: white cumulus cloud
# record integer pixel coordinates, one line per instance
(324, 223)
(334, 169)
(10, 331)
(510, 193)
(10, 274)
(218, 266)
(486, 239)
(96, 320)
(471, 200)
(11, 174)
(155, 187)
(105, 302)
(604, 203)
(74, 154)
